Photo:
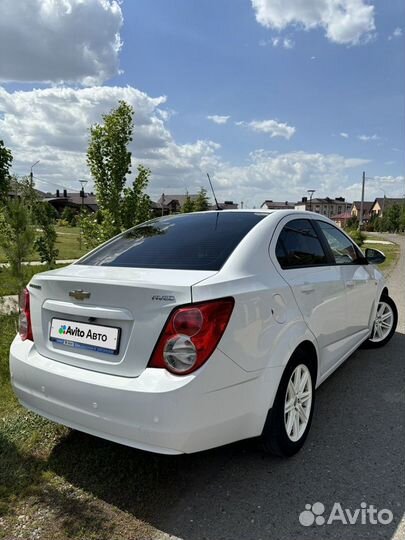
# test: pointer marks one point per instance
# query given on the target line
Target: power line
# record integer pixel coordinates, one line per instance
(47, 182)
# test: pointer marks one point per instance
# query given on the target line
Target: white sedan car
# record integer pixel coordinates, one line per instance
(193, 331)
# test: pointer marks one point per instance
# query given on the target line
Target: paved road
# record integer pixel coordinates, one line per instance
(354, 454)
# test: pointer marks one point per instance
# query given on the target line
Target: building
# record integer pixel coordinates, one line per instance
(272, 205)
(342, 219)
(226, 205)
(327, 207)
(15, 191)
(381, 204)
(367, 205)
(63, 199)
(173, 204)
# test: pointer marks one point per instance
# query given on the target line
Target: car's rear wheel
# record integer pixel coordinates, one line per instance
(289, 420)
(385, 323)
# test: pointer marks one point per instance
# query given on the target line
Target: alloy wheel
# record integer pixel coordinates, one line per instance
(298, 401)
(383, 323)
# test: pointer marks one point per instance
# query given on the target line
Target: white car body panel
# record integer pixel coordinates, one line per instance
(228, 398)
(138, 301)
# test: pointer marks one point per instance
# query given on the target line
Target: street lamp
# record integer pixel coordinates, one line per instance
(32, 174)
(83, 183)
(311, 194)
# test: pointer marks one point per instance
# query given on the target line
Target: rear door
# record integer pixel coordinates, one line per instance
(304, 262)
(358, 279)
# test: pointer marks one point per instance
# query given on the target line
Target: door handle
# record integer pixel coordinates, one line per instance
(306, 289)
(350, 284)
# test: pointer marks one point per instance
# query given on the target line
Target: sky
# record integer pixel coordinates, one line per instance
(270, 97)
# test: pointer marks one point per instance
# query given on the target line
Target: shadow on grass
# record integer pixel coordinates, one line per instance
(354, 454)
(22, 476)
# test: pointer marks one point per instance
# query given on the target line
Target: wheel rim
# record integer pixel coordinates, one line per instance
(383, 323)
(298, 402)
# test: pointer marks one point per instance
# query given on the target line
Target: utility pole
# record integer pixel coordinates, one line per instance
(83, 183)
(362, 202)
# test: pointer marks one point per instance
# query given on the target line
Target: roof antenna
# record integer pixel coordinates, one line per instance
(213, 192)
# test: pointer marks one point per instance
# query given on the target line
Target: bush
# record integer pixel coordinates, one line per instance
(357, 236)
(69, 215)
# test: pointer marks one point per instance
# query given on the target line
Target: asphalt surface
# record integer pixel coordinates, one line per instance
(354, 454)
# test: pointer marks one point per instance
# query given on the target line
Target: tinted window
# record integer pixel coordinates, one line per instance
(188, 242)
(299, 245)
(343, 249)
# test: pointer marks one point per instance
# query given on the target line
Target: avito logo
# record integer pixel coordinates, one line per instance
(77, 332)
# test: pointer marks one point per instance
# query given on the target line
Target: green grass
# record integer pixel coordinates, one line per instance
(67, 243)
(8, 284)
(391, 252)
(59, 481)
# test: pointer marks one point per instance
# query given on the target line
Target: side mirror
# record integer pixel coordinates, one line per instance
(374, 256)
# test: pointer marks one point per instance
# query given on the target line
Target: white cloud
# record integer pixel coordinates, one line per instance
(55, 41)
(344, 21)
(284, 176)
(218, 119)
(393, 186)
(271, 127)
(344, 135)
(286, 43)
(396, 33)
(52, 125)
(367, 138)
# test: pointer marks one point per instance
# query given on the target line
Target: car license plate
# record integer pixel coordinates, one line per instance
(94, 337)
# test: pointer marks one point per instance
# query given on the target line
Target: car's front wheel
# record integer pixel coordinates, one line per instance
(385, 323)
(290, 418)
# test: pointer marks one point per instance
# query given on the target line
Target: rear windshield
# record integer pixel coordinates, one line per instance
(188, 242)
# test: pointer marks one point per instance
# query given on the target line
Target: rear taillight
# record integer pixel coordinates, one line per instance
(191, 335)
(24, 326)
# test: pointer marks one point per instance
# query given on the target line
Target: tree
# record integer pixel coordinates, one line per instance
(136, 205)
(188, 205)
(352, 223)
(6, 160)
(70, 214)
(45, 218)
(402, 219)
(201, 202)
(17, 237)
(393, 218)
(109, 159)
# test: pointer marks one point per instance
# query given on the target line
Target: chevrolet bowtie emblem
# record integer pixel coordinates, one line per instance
(79, 294)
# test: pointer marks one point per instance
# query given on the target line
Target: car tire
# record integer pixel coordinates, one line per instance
(388, 309)
(278, 436)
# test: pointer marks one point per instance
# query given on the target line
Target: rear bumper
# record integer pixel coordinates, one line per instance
(156, 411)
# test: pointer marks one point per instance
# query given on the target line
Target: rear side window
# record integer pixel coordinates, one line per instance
(343, 249)
(187, 242)
(298, 245)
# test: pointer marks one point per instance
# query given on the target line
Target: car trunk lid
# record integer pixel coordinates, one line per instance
(101, 299)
